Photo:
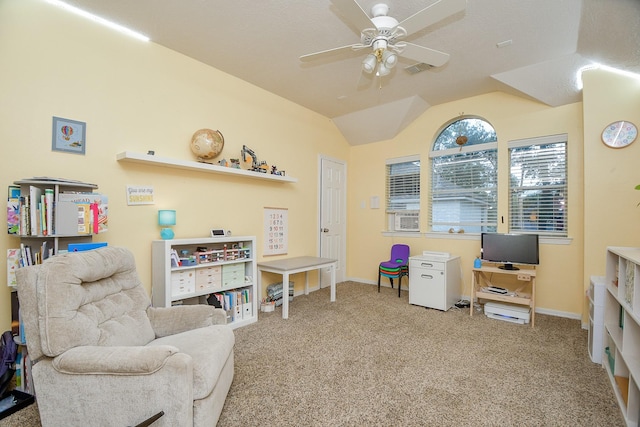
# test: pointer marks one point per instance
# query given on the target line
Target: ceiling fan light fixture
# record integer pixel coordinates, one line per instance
(369, 63)
(389, 59)
(383, 70)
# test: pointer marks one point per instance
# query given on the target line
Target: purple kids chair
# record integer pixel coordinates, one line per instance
(396, 267)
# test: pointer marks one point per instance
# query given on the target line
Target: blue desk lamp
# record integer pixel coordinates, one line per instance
(166, 218)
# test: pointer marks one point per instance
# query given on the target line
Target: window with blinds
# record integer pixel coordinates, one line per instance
(464, 178)
(538, 186)
(403, 193)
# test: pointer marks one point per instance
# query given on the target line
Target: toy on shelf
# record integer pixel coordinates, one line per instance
(275, 171)
(256, 166)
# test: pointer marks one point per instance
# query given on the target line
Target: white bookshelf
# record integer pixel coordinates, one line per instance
(228, 266)
(148, 159)
(622, 329)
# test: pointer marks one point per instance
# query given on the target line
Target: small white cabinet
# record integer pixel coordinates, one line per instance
(184, 270)
(434, 281)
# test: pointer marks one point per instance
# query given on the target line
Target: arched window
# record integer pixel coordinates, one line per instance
(464, 177)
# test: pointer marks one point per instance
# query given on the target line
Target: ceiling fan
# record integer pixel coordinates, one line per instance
(384, 35)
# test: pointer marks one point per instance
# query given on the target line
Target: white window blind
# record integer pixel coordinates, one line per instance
(463, 190)
(403, 184)
(538, 186)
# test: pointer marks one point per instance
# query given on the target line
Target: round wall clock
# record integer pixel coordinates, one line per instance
(619, 134)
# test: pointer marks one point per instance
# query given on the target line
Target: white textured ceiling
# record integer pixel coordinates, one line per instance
(260, 42)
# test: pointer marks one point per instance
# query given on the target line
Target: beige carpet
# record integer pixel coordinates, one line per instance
(372, 359)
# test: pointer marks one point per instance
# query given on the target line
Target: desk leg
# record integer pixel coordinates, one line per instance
(259, 284)
(333, 283)
(473, 292)
(306, 283)
(285, 295)
(533, 301)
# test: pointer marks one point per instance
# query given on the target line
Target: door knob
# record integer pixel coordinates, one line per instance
(325, 230)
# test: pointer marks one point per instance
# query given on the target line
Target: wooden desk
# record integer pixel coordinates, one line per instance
(481, 278)
(294, 265)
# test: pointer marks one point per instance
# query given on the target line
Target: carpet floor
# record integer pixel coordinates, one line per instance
(371, 359)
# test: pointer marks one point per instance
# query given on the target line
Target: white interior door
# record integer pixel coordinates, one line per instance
(333, 214)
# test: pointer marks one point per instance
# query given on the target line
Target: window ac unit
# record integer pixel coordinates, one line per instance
(407, 221)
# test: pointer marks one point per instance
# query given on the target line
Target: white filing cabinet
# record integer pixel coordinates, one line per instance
(434, 280)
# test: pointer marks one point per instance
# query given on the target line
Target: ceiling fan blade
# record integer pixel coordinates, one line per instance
(430, 15)
(354, 13)
(324, 53)
(423, 54)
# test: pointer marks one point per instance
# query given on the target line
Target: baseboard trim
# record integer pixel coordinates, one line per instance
(541, 310)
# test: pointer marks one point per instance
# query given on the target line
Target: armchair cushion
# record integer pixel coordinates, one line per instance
(173, 320)
(113, 360)
(92, 299)
(209, 349)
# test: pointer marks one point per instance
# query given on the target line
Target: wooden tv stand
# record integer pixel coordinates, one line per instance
(481, 277)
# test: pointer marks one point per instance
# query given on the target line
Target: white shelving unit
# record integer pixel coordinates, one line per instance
(434, 281)
(63, 216)
(226, 266)
(131, 157)
(622, 329)
(596, 297)
(57, 241)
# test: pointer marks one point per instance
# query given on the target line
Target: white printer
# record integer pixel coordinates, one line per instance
(508, 312)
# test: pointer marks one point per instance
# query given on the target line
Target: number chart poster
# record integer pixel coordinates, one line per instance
(275, 231)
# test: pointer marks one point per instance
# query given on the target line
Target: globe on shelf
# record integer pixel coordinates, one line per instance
(207, 144)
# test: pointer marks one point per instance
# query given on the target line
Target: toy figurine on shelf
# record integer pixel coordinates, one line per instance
(235, 163)
(256, 166)
(223, 162)
(275, 171)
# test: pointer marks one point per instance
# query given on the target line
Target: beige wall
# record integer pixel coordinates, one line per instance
(140, 96)
(611, 211)
(560, 273)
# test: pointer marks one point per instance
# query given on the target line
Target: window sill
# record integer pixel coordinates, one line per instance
(545, 240)
(402, 234)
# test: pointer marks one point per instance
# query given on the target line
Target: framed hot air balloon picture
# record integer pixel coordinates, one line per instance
(68, 136)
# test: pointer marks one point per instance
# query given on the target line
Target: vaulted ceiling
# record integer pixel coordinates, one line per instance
(529, 48)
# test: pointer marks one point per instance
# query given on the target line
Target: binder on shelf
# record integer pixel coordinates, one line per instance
(81, 247)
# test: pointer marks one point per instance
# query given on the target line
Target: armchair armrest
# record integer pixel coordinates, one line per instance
(174, 320)
(134, 360)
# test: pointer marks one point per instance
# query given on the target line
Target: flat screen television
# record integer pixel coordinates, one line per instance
(509, 249)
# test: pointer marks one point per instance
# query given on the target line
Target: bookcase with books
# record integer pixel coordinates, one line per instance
(217, 270)
(47, 216)
(621, 352)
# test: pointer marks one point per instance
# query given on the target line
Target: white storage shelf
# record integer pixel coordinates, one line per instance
(596, 295)
(622, 329)
(131, 157)
(177, 284)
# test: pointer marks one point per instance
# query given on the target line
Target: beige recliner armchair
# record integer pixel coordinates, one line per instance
(103, 356)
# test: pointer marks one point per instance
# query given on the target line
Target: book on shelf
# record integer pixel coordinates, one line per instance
(98, 208)
(35, 194)
(84, 218)
(13, 216)
(13, 264)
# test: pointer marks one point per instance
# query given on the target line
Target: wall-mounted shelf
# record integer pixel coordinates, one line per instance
(128, 156)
